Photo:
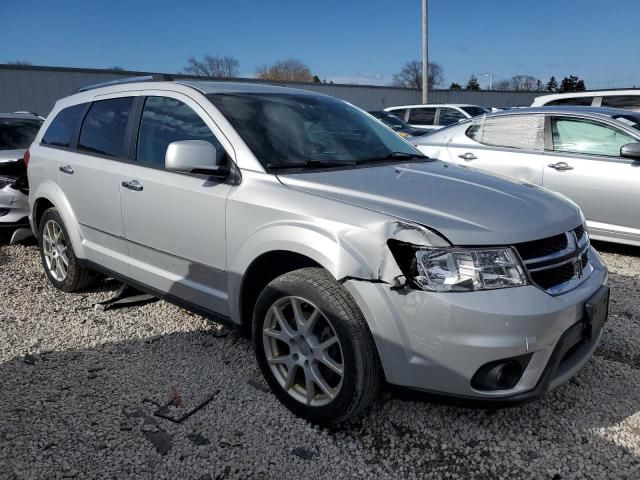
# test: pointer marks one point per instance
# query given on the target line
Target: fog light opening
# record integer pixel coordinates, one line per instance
(500, 374)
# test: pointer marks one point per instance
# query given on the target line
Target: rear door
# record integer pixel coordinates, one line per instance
(511, 145)
(584, 163)
(89, 175)
(175, 222)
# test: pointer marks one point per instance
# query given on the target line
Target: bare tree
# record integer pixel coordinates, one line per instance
(411, 75)
(290, 70)
(18, 62)
(213, 66)
(525, 83)
(502, 85)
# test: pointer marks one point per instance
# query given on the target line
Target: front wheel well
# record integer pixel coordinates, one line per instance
(261, 272)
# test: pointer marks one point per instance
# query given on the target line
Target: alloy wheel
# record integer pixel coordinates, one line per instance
(303, 351)
(54, 248)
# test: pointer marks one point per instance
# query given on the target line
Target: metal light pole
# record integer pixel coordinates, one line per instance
(490, 75)
(425, 53)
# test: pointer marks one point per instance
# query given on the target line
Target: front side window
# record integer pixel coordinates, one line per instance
(17, 133)
(422, 116)
(288, 128)
(571, 135)
(580, 101)
(627, 102)
(524, 132)
(60, 131)
(449, 116)
(166, 120)
(475, 111)
(104, 127)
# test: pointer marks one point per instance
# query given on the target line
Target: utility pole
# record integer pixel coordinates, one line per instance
(425, 53)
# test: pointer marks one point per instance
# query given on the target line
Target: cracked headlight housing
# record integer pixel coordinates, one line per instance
(459, 269)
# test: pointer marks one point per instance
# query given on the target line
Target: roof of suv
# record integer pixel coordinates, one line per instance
(20, 116)
(599, 111)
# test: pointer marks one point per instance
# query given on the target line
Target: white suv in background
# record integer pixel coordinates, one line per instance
(434, 117)
(625, 99)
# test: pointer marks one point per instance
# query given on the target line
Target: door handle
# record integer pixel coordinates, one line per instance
(560, 166)
(132, 185)
(468, 156)
(66, 169)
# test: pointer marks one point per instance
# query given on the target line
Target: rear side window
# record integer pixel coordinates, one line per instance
(165, 120)
(449, 116)
(628, 102)
(422, 116)
(400, 113)
(17, 134)
(104, 127)
(580, 101)
(60, 131)
(525, 132)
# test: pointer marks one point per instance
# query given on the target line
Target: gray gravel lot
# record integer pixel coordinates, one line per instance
(79, 389)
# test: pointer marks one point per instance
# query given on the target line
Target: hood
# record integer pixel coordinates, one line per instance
(465, 205)
(11, 155)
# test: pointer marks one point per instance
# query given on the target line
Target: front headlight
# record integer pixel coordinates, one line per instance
(459, 269)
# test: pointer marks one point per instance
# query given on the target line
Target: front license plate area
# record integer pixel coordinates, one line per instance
(597, 311)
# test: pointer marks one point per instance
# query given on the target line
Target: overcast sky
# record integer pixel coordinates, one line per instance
(347, 41)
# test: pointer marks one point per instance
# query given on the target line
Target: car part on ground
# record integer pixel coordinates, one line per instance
(242, 202)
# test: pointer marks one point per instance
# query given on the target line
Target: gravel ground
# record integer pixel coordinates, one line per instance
(80, 391)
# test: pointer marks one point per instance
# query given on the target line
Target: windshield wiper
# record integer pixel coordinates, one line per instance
(401, 156)
(310, 164)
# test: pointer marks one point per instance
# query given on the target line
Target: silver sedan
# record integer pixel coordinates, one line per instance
(591, 155)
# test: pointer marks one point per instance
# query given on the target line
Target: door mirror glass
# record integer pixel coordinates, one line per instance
(196, 156)
(631, 150)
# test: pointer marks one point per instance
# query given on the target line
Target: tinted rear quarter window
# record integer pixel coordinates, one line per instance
(104, 127)
(165, 120)
(627, 102)
(449, 116)
(400, 113)
(580, 101)
(60, 131)
(422, 116)
(524, 132)
(17, 134)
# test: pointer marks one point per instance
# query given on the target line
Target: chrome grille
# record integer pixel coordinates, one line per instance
(560, 263)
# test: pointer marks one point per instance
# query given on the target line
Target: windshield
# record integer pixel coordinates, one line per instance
(292, 129)
(17, 134)
(391, 120)
(630, 120)
(476, 111)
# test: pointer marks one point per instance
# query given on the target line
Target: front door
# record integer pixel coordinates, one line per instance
(174, 223)
(584, 164)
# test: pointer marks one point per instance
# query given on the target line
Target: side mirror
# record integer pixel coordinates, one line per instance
(196, 156)
(630, 150)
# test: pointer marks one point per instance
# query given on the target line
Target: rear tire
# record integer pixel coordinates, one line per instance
(58, 258)
(325, 339)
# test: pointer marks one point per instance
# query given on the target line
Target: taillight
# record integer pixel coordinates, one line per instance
(26, 158)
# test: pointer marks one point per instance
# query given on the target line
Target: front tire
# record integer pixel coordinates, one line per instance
(57, 255)
(314, 347)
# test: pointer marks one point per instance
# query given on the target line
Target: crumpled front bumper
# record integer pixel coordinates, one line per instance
(436, 342)
(14, 208)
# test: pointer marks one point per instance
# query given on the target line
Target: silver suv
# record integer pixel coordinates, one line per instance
(351, 258)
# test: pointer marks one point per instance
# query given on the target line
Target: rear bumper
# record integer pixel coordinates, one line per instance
(436, 342)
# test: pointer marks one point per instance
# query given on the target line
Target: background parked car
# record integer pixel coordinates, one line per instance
(17, 131)
(434, 117)
(401, 127)
(626, 99)
(590, 155)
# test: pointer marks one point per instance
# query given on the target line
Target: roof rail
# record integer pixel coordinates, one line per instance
(160, 77)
